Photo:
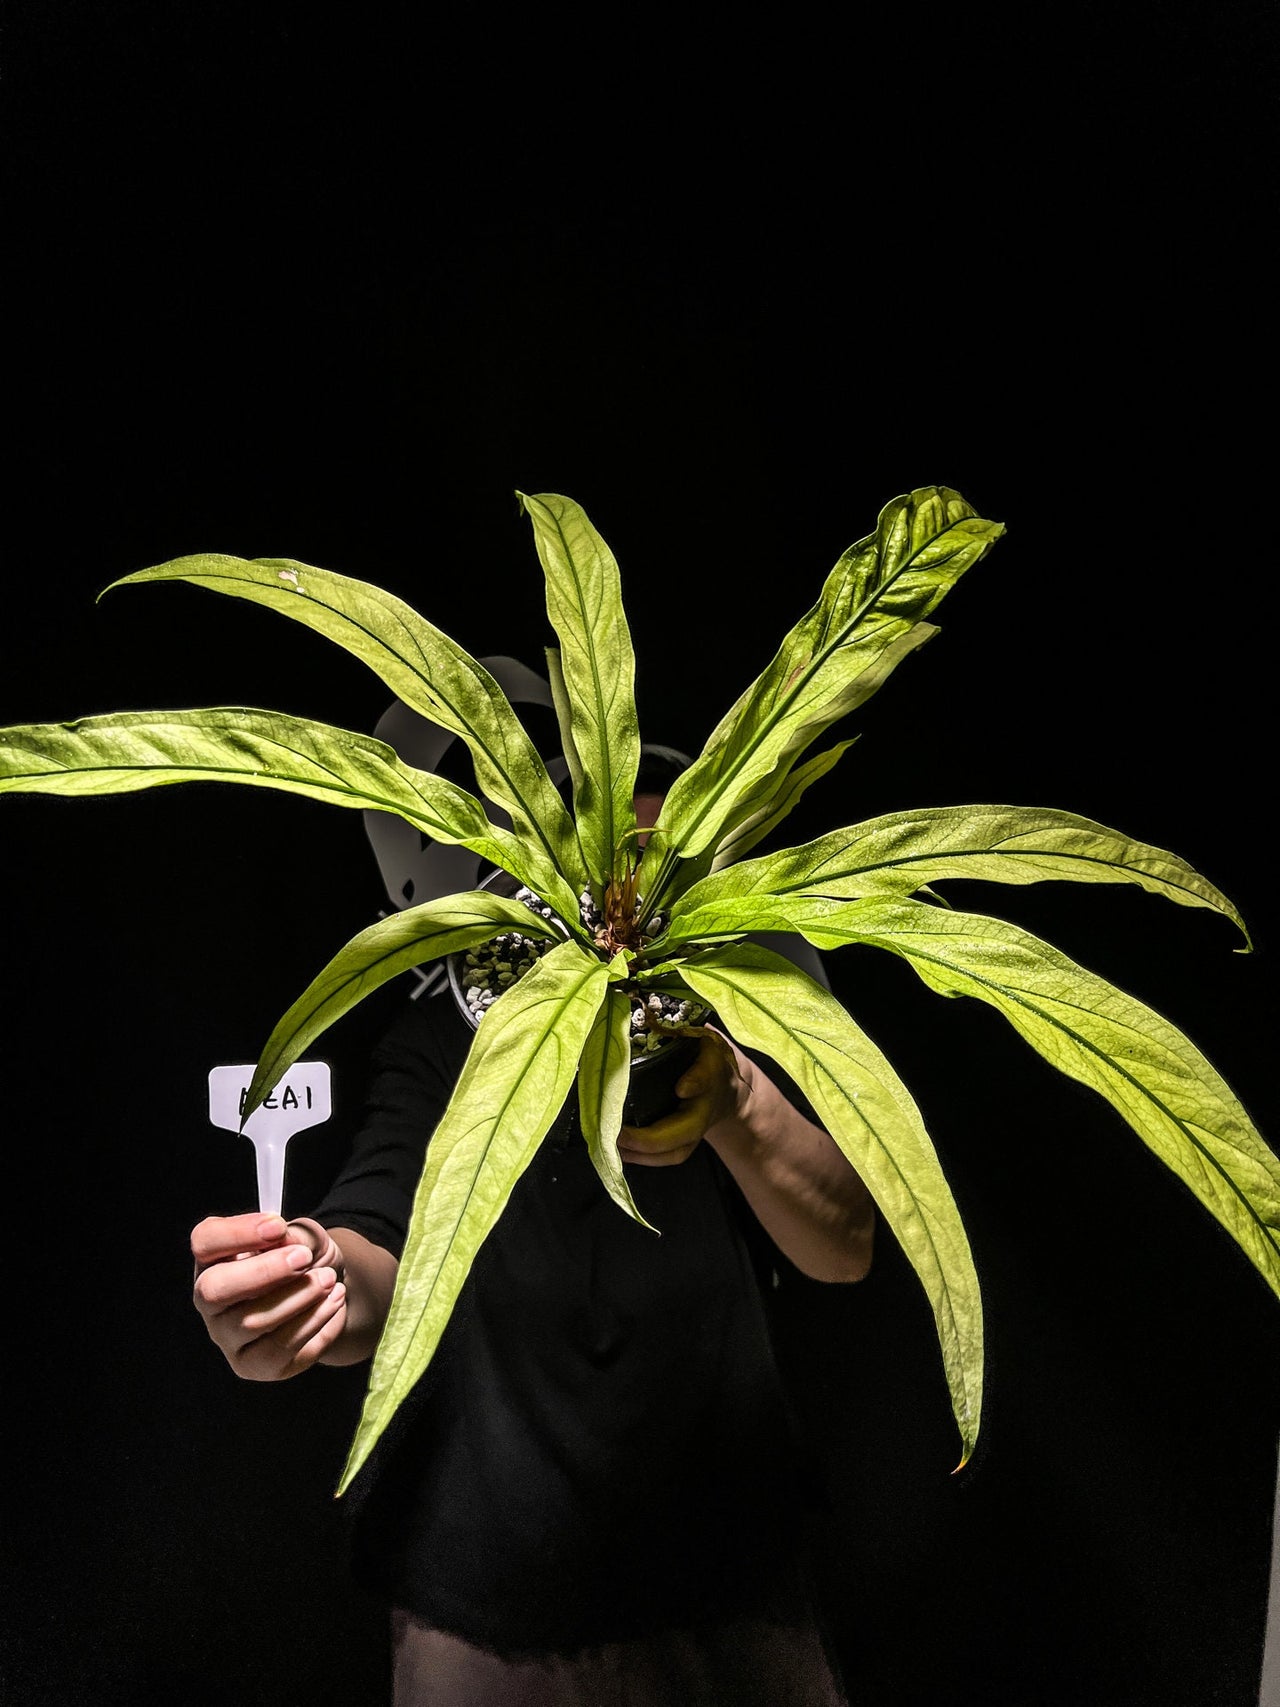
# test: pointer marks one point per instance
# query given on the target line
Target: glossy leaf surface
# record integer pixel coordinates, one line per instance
(512, 1085)
(1154, 1076)
(767, 1003)
(603, 1077)
(373, 956)
(833, 659)
(431, 673)
(596, 675)
(124, 751)
(903, 851)
(756, 826)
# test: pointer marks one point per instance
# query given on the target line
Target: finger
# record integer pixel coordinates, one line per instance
(275, 1320)
(657, 1158)
(263, 1316)
(673, 1129)
(231, 1282)
(681, 1131)
(239, 1325)
(689, 1120)
(296, 1345)
(219, 1237)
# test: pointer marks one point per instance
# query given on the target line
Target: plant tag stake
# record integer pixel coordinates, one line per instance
(303, 1098)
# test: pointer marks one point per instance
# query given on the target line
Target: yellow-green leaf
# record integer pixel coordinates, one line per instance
(756, 825)
(870, 612)
(1154, 1076)
(902, 852)
(595, 675)
(512, 1085)
(603, 1077)
(123, 751)
(380, 952)
(766, 1003)
(431, 673)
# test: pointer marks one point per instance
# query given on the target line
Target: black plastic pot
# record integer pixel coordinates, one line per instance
(651, 1090)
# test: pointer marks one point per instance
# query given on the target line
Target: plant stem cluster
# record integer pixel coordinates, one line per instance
(492, 967)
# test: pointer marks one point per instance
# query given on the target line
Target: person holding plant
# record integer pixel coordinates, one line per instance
(597, 1491)
(573, 1441)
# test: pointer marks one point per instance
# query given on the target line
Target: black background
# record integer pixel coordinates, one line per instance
(333, 290)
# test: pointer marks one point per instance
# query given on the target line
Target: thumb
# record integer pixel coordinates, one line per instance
(325, 1252)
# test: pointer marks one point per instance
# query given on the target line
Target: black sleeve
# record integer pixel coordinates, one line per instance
(413, 1070)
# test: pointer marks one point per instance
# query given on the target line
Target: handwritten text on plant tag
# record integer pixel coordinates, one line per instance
(302, 1098)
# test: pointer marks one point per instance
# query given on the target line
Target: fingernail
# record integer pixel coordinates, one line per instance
(271, 1227)
(326, 1277)
(297, 1256)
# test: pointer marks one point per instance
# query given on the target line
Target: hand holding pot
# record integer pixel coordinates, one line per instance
(715, 1088)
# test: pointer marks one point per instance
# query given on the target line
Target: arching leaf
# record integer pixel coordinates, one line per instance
(865, 620)
(1154, 1076)
(753, 828)
(766, 1003)
(124, 751)
(902, 852)
(596, 671)
(512, 1085)
(603, 1078)
(431, 673)
(378, 953)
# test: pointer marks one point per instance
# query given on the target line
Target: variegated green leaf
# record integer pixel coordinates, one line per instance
(597, 670)
(1155, 1077)
(431, 673)
(381, 952)
(837, 655)
(766, 1003)
(603, 1077)
(900, 853)
(512, 1085)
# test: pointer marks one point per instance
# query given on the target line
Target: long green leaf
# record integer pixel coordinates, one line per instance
(431, 673)
(767, 1003)
(771, 796)
(603, 1077)
(381, 952)
(123, 751)
(834, 658)
(564, 714)
(755, 827)
(597, 671)
(901, 852)
(512, 1085)
(1155, 1077)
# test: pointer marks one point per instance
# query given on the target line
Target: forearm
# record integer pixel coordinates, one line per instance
(369, 1273)
(801, 1188)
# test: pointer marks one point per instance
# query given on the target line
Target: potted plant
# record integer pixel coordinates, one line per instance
(616, 925)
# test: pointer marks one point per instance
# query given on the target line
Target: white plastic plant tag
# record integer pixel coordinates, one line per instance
(302, 1098)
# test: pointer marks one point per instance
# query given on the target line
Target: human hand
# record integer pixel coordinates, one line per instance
(715, 1088)
(270, 1292)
